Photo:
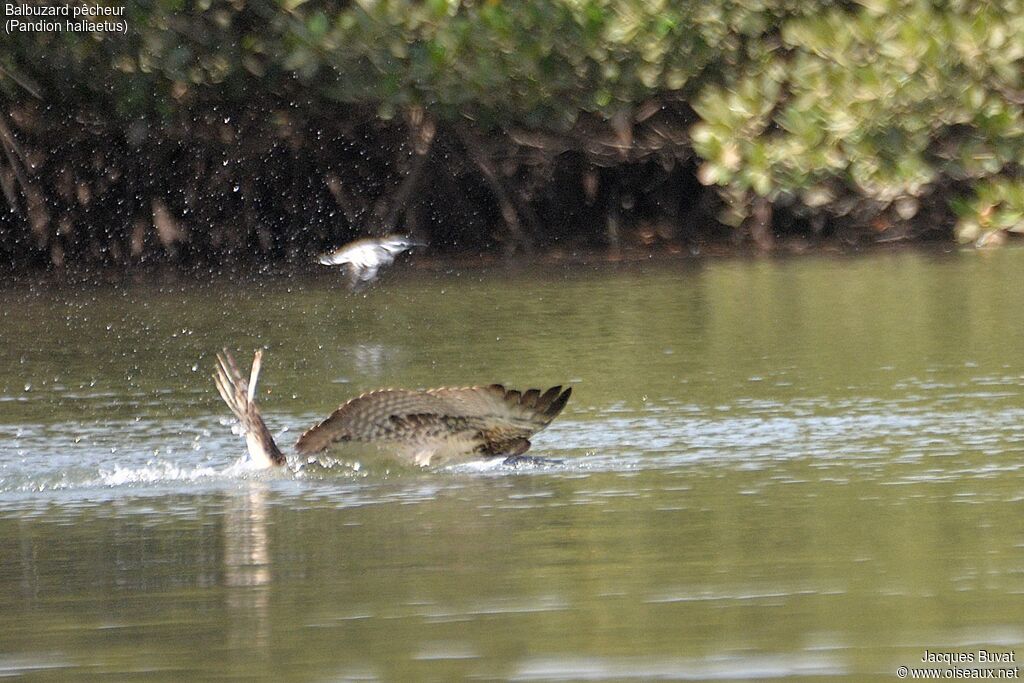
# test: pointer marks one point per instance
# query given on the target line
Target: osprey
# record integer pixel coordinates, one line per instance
(422, 427)
(363, 258)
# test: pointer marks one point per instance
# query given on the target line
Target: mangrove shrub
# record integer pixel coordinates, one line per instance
(214, 127)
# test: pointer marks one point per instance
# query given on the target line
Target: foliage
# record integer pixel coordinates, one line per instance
(537, 62)
(996, 205)
(876, 108)
(886, 117)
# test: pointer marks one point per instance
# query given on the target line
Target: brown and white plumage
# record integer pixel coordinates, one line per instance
(434, 426)
(239, 394)
(425, 427)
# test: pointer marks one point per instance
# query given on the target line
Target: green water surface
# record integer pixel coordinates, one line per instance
(805, 468)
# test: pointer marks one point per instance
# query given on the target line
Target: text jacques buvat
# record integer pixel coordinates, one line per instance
(22, 18)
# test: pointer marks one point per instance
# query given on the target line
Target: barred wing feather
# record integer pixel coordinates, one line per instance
(425, 427)
(448, 422)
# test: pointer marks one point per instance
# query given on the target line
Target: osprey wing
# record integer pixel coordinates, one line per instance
(482, 420)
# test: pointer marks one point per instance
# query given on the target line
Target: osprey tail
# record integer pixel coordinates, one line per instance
(239, 394)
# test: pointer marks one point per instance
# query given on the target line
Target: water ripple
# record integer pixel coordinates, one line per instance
(891, 441)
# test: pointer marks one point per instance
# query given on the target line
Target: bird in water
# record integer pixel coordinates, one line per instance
(422, 427)
(363, 258)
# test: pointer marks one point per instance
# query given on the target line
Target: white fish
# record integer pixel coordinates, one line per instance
(363, 258)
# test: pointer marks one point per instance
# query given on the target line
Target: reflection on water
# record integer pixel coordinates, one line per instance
(771, 469)
(726, 667)
(247, 568)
